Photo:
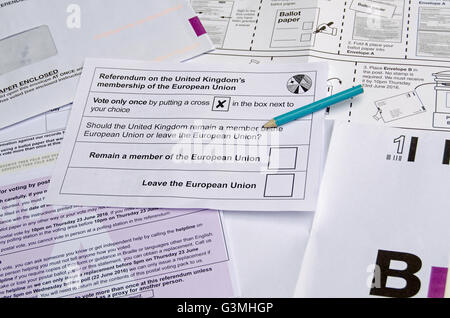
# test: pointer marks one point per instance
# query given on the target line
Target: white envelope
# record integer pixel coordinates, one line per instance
(381, 224)
(43, 44)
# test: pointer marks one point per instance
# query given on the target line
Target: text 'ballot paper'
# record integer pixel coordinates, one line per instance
(146, 134)
(381, 226)
(42, 50)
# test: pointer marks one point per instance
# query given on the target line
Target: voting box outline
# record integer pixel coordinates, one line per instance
(221, 104)
(309, 25)
(279, 185)
(305, 37)
(287, 158)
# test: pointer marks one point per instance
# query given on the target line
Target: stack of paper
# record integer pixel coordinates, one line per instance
(121, 193)
(43, 50)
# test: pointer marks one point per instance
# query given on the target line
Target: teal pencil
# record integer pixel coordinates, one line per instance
(316, 106)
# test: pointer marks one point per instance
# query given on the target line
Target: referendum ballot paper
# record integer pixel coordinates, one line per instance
(69, 251)
(189, 136)
(43, 44)
(381, 226)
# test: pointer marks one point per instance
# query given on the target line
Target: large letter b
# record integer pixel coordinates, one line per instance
(413, 265)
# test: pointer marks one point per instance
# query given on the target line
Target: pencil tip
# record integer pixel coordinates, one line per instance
(270, 124)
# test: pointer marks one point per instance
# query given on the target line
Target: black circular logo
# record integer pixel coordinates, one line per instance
(299, 84)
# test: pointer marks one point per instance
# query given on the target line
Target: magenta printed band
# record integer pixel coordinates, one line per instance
(197, 26)
(438, 281)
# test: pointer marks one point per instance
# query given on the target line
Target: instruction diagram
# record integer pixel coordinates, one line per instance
(398, 107)
(295, 28)
(390, 47)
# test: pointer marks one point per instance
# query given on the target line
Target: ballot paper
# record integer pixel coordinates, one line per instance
(43, 44)
(381, 225)
(191, 136)
(83, 252)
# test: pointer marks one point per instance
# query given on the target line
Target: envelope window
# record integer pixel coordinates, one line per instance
(26, 48)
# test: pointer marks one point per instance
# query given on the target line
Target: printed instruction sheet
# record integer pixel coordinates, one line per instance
(176, 135)
(398, 50)
(83, 252)
(381, 225)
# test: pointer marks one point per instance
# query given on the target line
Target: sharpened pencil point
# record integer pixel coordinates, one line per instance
(270, 124)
